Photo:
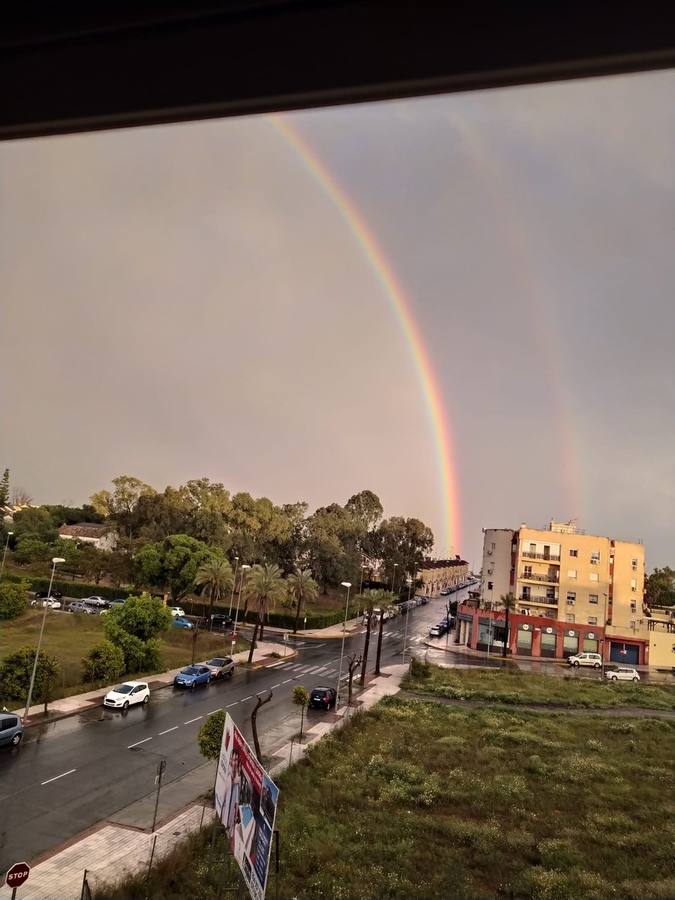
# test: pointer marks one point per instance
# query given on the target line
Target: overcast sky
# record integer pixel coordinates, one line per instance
(185, 301)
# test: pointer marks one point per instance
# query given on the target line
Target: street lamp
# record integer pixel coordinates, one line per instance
(363, 568)
(236, 618)
(393, 577)
(602, 644)
(234, 581)
(55, 561)
(409, 582)
(2, 567)
(345, 584)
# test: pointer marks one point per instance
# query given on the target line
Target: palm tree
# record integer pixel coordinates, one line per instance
(384, 602)
(215, 578)
(265, 586)
(301, 587)
(508, 601)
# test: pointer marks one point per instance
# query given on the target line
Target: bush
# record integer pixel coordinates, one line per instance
(104, 662)
(211, 735)
(29, 548)
(13, 600)
(15, 674)
(144, 617)
(75, 589)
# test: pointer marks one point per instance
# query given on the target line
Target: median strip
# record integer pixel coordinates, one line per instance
(56, 777)
(131, 746)
(168, 730)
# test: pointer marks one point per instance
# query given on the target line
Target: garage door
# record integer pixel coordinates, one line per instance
(626, 654)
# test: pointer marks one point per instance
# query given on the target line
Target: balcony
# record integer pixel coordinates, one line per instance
(538, 601)
(552, 557)
(535, 576)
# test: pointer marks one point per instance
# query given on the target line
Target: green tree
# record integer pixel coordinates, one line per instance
(36, 522)
(210, 737)
(366, 507)
(265, 587)
(403, 545)
(15, 675)
(301, 699)
(13, 599)
(303, 589)
(172, 564)
(104, 662)
(142, 617)
(333, 542)
(4, 488)
(31, 549)
(508, 601)
(119, 505)
(215, 578)
(660, 587)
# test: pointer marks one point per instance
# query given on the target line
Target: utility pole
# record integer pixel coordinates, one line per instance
(158, 781)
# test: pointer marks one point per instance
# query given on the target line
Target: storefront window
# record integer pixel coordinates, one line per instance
(524, 641)
(590, 645)
(547, 644)
(570, 644)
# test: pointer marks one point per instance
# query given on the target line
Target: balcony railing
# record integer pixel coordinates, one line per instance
(539, 601)
(535, 576)
(552, 557)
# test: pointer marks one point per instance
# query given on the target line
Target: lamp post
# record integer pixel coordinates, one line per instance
(236, 618)
(345, 584)
(234, 582)
(393, 577)
(55, 561)
(2, 567)
(363, 568)
(602, 645)
(407, 613)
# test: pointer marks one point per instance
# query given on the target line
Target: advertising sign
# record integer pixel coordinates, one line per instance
(246, 804)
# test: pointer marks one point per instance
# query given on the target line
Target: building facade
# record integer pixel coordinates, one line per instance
(573, 592)
(100, 536)
(438, 575)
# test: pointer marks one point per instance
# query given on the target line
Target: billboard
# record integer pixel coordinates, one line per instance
(246, 804)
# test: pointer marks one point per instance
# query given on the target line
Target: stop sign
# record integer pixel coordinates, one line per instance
(16, 876)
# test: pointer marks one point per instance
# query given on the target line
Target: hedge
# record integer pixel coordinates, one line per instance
(70, 588)
(276, 619)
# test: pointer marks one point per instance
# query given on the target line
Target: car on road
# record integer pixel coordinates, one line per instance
(177, 611)
(191, 676)
(221, 621)
(322, 698)
(96, 601)
(436, 631)
(80, 607)
(43, 595)
(51, 602)
(118, 601)
(445, 592)
(622, 673)
(585, 659)
(181, 622)
(130, 693)
(220, 666)
(11, 729)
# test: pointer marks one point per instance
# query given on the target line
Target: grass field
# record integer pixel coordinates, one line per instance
(415, 801)
(507, 686)
(70, 637)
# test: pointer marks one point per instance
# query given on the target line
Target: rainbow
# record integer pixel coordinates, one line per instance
(402, 309)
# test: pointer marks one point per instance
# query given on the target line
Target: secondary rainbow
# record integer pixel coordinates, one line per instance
(401, 307)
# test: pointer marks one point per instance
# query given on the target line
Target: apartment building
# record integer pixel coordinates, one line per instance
(438, 575)
(574, 591)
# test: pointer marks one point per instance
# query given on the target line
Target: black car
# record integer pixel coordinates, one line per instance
(54, 594)
(221, 622)
(322, 698)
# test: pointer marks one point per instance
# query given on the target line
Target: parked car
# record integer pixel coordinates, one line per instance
(438, 630)
(130, 693)
(585, 659)
(51, 602)
(80, 607)
(220, 666)
(177, 611)
(181, 622)
(42, 595)
(622, 673)
(322, 698)
(118, 601)
(11, 729)
(423, 599)
(191, 676)
(221, 621)
(445, 592)
(96, 601)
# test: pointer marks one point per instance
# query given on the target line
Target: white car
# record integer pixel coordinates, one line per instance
(95, 601)
(585, 659)
(50, 602)
(177, 611)
(622, 673)
(128, 694)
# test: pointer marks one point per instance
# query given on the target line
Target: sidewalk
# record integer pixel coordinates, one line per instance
(117, 848)
(354, 626)
(70, 706)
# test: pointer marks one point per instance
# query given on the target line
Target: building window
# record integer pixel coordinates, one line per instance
(593, 598)
(572, 573)
(492, 546)
(489, 586)
(634, 564)
(593, 576)
(550, 593)
(633, 585)
(595, 557)
(590, 645)
(528, 572)
(632, 624)
(574, 552)
(633, 607)
(571, 598)
(592, 620)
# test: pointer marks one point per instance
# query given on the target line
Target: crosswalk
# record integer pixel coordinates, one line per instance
(300, 669)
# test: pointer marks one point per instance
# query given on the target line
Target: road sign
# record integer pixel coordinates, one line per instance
(17, 875)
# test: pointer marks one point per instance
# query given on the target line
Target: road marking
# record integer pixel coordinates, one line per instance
(250, 697)
(214, 711)
(320, 670)
(56, 777)
(275, 686)
(274, 665)
(168, 730)
(231, 704)
(286, 665)
(190, 721)
(288, 681)
(139, 742)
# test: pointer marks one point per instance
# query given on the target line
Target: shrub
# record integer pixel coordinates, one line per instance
(15, 674)
(104, 662)
(12, 599)
(144, 617)
(211, 735)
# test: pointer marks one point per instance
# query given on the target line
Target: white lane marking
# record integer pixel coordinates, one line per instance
(386, 633)
(231, 704)
(139, 742)
(288, 681)
(190, 721)
(250, 697)
(330, 672)
(275, 686)
(213, 711)
(286, 665)
(167, 730)
(313, 670)
(296, 667)
(56, 777)
(320, 670)
(274, 665)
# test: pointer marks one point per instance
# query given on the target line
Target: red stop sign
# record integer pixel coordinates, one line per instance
(16, 876)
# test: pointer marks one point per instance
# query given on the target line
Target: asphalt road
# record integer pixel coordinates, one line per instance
(71, 774)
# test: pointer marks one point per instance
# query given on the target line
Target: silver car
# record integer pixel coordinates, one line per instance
(220, 666)
(11, 729)
(622, 673)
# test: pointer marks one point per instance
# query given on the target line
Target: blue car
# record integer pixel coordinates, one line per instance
(180, 622)
(191, 676)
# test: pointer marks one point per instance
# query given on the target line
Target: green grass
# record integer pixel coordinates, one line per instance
(415, 800)
(70, 637)
(507, 686)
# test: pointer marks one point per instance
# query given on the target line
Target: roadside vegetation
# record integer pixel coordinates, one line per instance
(511, 686)
(415, 800)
